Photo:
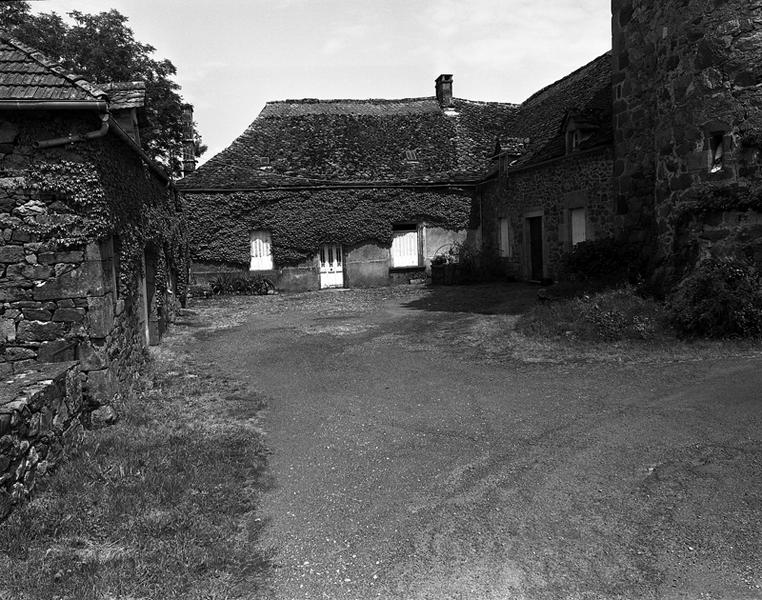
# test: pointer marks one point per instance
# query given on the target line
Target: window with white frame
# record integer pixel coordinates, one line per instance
(577, 218)
(405, 246)
(505, 239)
(261, 251)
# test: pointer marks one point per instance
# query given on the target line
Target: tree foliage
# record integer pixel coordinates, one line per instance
(102, 48)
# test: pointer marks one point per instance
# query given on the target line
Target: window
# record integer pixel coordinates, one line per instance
(578, 227)
(405, 247)
(573, 139)
(716, 152)
(261, 251)
(505, 239)
(411, 155)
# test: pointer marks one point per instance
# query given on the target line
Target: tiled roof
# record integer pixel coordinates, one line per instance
(303, 142)
(125, 94)
(585, 92)
(27, 76)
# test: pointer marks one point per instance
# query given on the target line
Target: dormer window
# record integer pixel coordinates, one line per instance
(579, 127)
(573, 140)
(411, 155)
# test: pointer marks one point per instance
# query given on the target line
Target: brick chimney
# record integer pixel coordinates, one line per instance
(444, 90)
(189, 143)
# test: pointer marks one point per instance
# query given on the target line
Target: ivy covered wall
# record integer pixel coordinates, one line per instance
(220, 223)
(78, 223)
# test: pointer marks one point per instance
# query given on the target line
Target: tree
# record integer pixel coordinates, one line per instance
(102, 48)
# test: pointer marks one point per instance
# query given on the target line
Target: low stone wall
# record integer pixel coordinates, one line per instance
(39, 422)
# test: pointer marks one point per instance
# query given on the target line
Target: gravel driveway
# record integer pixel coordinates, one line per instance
(420, 451)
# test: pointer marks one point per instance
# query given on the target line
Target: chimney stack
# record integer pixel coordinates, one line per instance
(189, 142)
(444, 90)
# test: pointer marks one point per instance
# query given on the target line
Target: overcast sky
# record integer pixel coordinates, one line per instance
(232, 56)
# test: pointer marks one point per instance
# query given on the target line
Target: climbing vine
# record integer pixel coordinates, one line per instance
(90, 204)
(709, 199)
(220, 224)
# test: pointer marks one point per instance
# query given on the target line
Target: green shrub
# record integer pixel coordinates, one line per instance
(249, 284)
(607, 260)
(720, 298)
(606, 316)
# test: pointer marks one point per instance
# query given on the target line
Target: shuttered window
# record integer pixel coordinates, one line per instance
(578, 228)
(261, 251)
(405, 248)
(505, 241)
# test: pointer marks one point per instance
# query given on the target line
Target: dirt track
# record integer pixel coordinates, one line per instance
(413, 459)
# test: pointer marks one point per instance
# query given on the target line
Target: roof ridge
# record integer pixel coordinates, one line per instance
(566, 77)
(353, 100)
(43, 60)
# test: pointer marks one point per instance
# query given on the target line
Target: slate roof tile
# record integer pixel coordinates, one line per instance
(26, 75)
(541, 117)
(125, 94)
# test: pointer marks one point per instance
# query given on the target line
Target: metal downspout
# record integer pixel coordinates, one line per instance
(73, 139)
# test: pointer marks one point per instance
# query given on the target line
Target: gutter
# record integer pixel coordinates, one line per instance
(337, 186)
(99, 105)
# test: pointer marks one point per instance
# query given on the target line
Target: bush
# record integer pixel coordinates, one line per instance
(609, 316)
(606, 260)
(242, 284)
(720, 298)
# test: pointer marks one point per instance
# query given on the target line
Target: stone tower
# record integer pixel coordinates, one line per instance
(688, 125)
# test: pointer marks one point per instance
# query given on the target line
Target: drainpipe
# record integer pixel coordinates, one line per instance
(73, 139)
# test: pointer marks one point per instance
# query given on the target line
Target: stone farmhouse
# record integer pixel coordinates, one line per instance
(93, 256)
(656, 143)
(325, 193)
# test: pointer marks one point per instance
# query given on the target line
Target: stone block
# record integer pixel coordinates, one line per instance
(12, 254)
(39, 331)
(36, 271)
(101, 387)
(92, 355)
(37, 314)
(69, 256)
(69, 315)
(87, 280)
(7, 330)
(57, 351)
(100, 316)
(15, 354)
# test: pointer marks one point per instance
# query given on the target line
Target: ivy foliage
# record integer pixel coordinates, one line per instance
(93, 202)
(709, 199)
(300, 221)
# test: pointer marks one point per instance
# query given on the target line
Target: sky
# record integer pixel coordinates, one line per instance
(233, 56)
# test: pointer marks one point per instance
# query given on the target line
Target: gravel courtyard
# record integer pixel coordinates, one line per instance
(423, 449)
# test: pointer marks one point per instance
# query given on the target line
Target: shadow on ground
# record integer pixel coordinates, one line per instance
(484, 299)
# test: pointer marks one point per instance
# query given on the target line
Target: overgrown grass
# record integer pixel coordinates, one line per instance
(611, 315)
(162, 505)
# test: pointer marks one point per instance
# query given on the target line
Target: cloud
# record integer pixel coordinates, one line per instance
(343, 37)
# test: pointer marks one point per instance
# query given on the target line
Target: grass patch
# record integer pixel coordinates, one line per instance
(162, 505)
(612, 315)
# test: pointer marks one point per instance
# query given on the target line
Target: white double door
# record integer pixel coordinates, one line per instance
(331, 259)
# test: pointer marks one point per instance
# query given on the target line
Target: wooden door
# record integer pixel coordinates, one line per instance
(535, 248)
(331, 260)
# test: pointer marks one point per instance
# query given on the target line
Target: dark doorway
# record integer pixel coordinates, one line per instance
(535, 248)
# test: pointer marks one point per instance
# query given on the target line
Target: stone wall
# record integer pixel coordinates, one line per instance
(550, 190)
(39, 423)
(687, 80)
(91, 253)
